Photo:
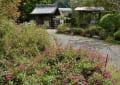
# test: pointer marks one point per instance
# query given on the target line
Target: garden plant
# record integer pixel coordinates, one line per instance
(27, 57)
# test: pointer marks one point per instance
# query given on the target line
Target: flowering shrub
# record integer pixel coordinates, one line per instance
(27, 40)
(26, 58)
(56, 66)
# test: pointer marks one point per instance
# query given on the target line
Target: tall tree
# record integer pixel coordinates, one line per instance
(109, 5)
(79, 3)
(27, 6)
(61, 3)
(10, 8)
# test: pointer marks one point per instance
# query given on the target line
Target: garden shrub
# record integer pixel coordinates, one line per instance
(98, 79)
(109, 39)
(62, 28)
(102, 33)
(57, 66)
(107, 22)
(110, 22)
(91, 31)
(117, 35)
(26, 58)
(27, 40)
(77, 31)
(5, 25)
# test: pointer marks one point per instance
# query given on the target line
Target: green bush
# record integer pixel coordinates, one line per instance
(62, 28)
(109, 39)
(91, 31)
(6, 25)
(77, 31)
(117, 35)
(27, 40)
(98, 79)
(102, 33)
(110, 22)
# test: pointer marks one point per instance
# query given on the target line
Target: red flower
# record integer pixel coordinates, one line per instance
(41, 59)
(77, 77)
(118, 71)
(50, 55)
(65, 80)
(75, 62)
(84, 83)
(70, 75)
(8, 68)
(57, 76)
(115, 81)
(8, 77)
(0, 70)
(106, 75)
(32, 63)
(47, 68)
(72, 33)
(41, 71)
(67, 67)
(21, 67)
(59, 51)
(62, 69)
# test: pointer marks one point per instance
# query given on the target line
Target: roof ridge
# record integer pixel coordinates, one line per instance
(46, 5)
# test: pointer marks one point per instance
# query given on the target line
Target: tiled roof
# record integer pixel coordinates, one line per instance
(65, 9)
(94, 9)
(45, 9)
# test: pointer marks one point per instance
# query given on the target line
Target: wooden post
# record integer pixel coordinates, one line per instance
(106, 61)
(99, 16)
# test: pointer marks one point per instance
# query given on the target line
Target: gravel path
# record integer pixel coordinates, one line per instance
(105, 48)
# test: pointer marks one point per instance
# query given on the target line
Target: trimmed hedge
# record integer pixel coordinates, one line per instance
(110, 22)
(117, 35)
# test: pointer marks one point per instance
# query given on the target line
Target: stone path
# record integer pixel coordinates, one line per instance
(104, 48)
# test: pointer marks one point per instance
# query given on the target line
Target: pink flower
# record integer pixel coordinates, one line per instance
(77, 77)
(46, 51)
(50, 55)
(72, 33)
(92, 57)
(67, 67)
(32, 63)
(28, 56)
(106, 75)
(75, 62)
(97, 68)
(8, 68)
(70, 75)
(0, 70)
(8, 77)
(115, 81)
(41, 59)
(47, 68)
(65, 80)
(59, 51)
(57, 76)
(62, 69)
(118, 71)
(84, 83)
(21, 67)
(59, 44)
(41, 71)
